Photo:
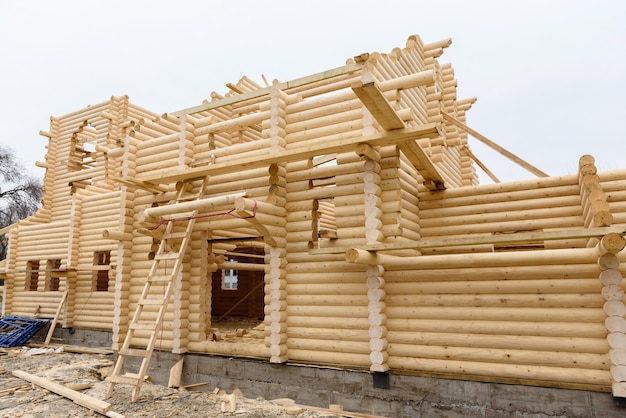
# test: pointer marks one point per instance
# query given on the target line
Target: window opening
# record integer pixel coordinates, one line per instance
(324, 207)
(32, 275)
(83, 147)
(101, 267)
(230, 277)
(52, 274)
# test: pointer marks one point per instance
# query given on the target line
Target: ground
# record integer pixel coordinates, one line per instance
(86, 372)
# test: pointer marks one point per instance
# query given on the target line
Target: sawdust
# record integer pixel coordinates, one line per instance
(86, 372)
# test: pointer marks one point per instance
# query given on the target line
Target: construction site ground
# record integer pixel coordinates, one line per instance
(85, 372)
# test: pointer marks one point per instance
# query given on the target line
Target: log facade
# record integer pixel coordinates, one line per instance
(342, 209)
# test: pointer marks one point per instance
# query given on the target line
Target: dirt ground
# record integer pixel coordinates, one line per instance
(86, 373)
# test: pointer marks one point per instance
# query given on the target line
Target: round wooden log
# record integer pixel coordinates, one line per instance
(612, 292)
(330, 357)
(504, 301)
(611, 277)
(324, 120)
(545, 257)
(513, 371)
(320, 345)
(608, 261)
(200, 205)
(489, 313)
(509, 342)
(618, 357)
(502, 355)
(617, 340)
(615, 324)
(495, 217)
(485, 194)
(504, 226)
(490, 327)
(538, 285)
(614, 308)
(611, 243)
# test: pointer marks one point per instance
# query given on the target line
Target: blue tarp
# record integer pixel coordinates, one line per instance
(18, 330)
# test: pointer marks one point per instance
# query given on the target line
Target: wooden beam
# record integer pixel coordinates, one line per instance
(572, 233)
(531, 168)
(134, 183)
(397, 136)
(53, 324)
(81, 399)
(346, 69)
(480, 164)
(374, 100)
(422, 163)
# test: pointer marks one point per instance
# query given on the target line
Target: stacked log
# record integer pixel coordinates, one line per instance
(530, 205)
(613, 293)
(613, 183)
(275, 250)
(497, 315)
(596, 211)
(163, 148)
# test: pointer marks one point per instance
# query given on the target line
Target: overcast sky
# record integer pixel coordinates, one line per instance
(550, 76)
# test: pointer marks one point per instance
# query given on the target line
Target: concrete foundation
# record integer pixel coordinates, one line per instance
(391, 395)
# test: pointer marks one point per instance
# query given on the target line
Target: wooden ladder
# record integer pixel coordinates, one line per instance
(166, 266)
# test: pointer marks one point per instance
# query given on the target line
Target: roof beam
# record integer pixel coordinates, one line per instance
(531, 168)
(374, 100)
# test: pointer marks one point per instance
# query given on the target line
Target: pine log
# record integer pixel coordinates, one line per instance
(502, 355)
(490, 327)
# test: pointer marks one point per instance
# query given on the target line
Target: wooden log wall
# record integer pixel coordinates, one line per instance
(93, 308)
(614, 308)
(530, 205)
(530, 316)
(22, 300)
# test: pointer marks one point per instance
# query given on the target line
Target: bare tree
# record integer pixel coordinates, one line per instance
(20, 194)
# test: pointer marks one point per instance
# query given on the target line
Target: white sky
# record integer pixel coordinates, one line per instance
(550, 76)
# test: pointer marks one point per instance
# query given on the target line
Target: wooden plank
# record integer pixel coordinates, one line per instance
(397, 136)
(374, 100)
(449, 118)
(422, 163)
(480, 164)
(573, 233)
(87, 401)
(53, 324)
(346, 69)
(131, 182)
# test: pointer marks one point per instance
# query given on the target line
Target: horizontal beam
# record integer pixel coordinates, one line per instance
(517, 237)
(397, 136)
(346, 69)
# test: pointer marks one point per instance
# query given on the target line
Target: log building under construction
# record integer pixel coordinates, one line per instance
(340, 216)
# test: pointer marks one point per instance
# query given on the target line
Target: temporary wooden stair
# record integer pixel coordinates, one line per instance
(166, 267)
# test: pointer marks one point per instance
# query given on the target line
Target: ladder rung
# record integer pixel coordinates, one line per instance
(169, 235)
(125, 379)
(150, 326)
(136, 352)
(167, 256)
(151, 301)
(160, 279)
